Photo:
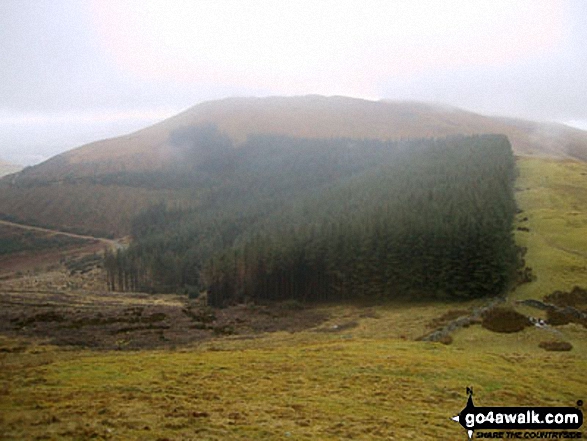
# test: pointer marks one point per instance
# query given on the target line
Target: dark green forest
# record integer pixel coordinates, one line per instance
(325, 219)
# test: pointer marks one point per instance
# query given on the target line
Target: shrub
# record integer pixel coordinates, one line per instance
(576, 298)
(505, 320)
(192, 291)
(556, 345)
(557, 317)
(445, 339)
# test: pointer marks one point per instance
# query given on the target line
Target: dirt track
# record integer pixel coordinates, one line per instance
(115, 244)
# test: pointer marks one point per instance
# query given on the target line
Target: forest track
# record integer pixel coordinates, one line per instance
(112, 243)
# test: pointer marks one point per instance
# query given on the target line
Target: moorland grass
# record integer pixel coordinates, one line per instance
(337, 389)
(553, 196)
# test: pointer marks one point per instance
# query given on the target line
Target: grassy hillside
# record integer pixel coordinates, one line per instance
(358, 376)
(285, 388)
(553, 195)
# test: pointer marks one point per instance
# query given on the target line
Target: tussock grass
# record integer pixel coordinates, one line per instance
(328, 389)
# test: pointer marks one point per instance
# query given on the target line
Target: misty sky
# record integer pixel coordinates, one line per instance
(74, 71)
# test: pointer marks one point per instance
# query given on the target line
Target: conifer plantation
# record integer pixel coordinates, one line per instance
(281, 218)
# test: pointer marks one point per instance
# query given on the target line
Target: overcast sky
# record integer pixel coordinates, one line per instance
(74, 71)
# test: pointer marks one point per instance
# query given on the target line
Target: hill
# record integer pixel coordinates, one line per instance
(69, 191)
(310, 117)
(6, 168)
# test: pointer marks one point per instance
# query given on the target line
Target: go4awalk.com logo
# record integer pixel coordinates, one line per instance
(520, 422)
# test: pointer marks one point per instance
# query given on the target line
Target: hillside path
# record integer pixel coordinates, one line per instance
(112, 243)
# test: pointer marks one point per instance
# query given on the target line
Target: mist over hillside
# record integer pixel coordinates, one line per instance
(309, 116)
(6, 168)
(100, 187)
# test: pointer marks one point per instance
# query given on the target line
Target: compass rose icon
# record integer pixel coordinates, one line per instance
(467, 409)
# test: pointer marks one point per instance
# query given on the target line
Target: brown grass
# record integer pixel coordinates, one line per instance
(106, 320)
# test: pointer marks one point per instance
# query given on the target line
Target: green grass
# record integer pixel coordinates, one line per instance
(554, 198)
(370, 381)
(338, 389)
